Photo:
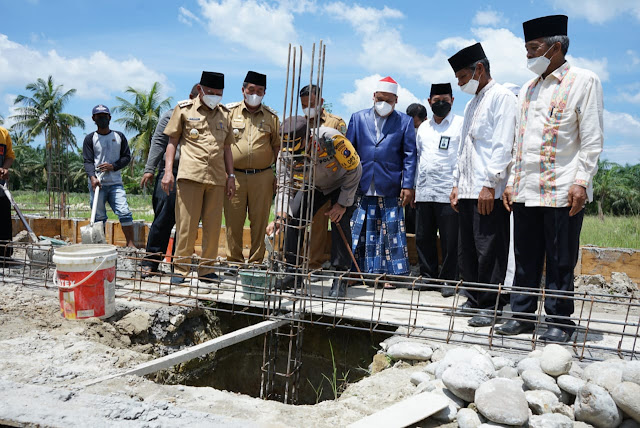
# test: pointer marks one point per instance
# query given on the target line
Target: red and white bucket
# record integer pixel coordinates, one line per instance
(86, 279)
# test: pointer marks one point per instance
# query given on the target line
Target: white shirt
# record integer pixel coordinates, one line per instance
(557, 147)
(437, 146)
(380, 121)
(486, 142)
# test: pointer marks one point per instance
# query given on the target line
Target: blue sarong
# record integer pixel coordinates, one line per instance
(379, 240)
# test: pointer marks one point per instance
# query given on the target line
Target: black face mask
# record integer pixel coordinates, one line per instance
(102, 122)
(441, 108)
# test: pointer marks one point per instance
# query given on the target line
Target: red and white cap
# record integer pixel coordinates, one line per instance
(387, 84)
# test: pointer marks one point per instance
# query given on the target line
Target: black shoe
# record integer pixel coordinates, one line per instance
(481, 320)
(467, 309)
(338, 288)
(514, 327)
(285, 283)
(448, 291)
(230, 271)
(147, 271)
(209, 278)
(555, 334)
(177, 279)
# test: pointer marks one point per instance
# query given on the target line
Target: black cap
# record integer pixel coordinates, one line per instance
(99, 109)
(440, 89)
(213, 80)
(466, 57)
(547, 26)
(256, 78)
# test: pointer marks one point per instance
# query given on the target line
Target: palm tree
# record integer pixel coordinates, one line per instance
(141, 117)
(43, 113)
(609, 185)
(1, 119)
(20, 138)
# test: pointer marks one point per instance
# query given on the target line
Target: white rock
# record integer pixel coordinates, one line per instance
(595, 406)
(580, 424)
(502, 401)
(632, 372)
(534, 379)
(431, 368)
(493, 425)
(463, 379)
(542, 401)
(627, 397)
(500, 362)
(566, 410)
(410, 351)
(570, 384)
(455, 355)
(177, 319)
(450, 412)
(424, 387)
(483, 362)
(467, 418)
(529, 364)
(419, 377)
(134, 323)
(507, 372)
(438, 354)
(605, 374)
(576, 370)
(536, 353)
(555, 360)
(551, 420)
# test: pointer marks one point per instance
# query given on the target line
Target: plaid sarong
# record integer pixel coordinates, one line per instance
(378, 234)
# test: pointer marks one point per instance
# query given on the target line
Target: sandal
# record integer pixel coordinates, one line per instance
(389, 286)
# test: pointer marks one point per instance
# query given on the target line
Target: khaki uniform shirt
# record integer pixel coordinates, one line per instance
(255, 135)
(332, 121)
(202, 135)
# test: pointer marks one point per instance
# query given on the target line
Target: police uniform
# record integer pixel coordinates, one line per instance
(319, 236)
(255, 137)
(6, 233)
(200, 186)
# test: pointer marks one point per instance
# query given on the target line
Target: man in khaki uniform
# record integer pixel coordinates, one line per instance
(202, 127)
(255, 149)
(312, 109)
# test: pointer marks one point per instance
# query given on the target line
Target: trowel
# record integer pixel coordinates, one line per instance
(93, 233)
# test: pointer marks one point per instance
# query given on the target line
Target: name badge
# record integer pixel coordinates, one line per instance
(444, 142)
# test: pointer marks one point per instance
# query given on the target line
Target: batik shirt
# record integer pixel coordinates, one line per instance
(559, 137)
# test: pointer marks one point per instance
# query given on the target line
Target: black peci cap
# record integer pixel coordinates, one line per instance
(547, 26)
(213, 80)
(440, 89)
(466, 57)
(256, 78)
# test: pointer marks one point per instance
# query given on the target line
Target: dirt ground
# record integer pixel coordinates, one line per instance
(46, 363)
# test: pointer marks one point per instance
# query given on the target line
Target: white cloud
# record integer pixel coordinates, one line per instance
(187, 17)
(633, 56)
(96, 76)
(506, 55)
(8, 101)
(621, 136)
(598, 11)
(598, 66)
(362, 95)
(488, 18)
(264, 28)
(621, 124)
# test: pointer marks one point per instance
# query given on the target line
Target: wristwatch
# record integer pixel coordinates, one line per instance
(231, 176)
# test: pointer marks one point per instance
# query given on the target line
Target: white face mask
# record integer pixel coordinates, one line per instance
(310, 112)
(471, 87)
(211, 101)
(383, 108)
(540, 64)
(253, 100)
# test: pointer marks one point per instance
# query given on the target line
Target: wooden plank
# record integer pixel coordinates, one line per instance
(406, 412)
(198, 350)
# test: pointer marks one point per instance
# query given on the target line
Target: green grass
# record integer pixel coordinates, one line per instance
(617, 232)
(140, 205)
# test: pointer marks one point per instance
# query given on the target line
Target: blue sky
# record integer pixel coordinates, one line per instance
(100, 48)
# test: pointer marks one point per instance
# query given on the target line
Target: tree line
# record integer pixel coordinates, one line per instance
(42, 113)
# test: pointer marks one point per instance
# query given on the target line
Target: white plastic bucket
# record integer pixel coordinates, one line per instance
(86, 279)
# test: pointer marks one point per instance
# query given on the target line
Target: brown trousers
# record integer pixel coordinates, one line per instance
(254, 193)
(195, 201)
(319, 237)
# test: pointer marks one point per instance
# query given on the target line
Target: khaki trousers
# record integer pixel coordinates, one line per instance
(254, 193)
(195, 201)
(319, 237)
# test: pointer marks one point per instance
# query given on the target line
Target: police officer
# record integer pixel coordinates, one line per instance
(309, 96)
(255, 149)
(202, 127)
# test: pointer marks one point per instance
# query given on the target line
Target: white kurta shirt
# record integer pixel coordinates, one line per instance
(437, 146)
(486, 142)
(559, 137)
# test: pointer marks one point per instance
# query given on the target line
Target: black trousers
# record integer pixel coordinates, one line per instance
(540, 231)
(164, 209)
(410, 219)
(431, 217)
(340, 258)
(483, 242)
(6, 232)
